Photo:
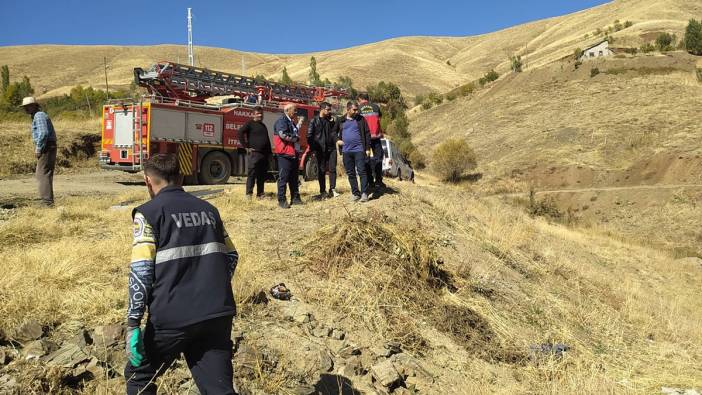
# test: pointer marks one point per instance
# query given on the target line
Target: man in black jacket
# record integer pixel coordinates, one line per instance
(354, 137)
(321, 137)
(181, 270)
(254, 135)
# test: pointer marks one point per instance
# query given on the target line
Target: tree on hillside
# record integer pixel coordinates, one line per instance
(315, 80)
(260, 79)
(285, 79)
(517, 64)
(693, 37)
(665, 42)
(14, 92)
(5, 77)
(346, 83)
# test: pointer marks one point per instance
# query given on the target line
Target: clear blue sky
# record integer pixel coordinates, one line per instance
(271, 26)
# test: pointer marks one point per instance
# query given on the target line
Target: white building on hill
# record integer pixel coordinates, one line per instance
(596, 51)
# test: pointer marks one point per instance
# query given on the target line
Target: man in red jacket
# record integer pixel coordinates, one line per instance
(371, 112)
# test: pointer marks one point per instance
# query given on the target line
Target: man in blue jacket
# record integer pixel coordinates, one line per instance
(44, 138)
(181, 270)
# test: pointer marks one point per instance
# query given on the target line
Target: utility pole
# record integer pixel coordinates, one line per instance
(107, 86)
(191, 55)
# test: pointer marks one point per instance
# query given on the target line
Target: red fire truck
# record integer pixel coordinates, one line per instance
(175, 118)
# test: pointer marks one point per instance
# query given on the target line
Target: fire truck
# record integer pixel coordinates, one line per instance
(176, 118)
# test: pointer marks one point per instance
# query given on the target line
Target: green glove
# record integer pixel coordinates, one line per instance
(135, 346)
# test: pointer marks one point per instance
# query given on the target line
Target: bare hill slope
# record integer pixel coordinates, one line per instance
(417, 64)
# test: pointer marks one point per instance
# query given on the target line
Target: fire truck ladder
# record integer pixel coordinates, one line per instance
(178, 81)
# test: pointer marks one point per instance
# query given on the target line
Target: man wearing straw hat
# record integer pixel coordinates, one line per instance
(44, 138)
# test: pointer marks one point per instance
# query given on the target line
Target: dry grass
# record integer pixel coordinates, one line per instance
(518, 281)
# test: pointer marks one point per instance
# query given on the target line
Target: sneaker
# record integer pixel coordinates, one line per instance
(333, 193)
(355, 198)
(296, 200)
(283, 204)
(364, 198)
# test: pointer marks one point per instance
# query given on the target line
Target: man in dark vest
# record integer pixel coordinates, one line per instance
(254, 135)
(181, 270)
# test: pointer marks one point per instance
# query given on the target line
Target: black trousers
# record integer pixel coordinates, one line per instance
(355, 163)
(326, 160)
(207, 347)
(287, 175)
(376, 162)
(256, 172)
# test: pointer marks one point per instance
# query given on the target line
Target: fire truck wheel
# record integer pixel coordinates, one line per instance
(310, 168)
(215, 168)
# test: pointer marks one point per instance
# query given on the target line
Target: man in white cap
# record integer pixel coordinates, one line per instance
(44, 138)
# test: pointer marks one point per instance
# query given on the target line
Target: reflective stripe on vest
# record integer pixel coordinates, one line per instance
(189, 252)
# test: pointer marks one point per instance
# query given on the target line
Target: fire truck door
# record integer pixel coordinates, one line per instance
(124, 128)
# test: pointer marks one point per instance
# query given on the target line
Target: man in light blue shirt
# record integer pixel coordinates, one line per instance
(44, 138)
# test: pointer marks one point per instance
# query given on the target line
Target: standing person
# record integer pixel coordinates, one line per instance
(285, 138)
(371, 112)
(181, 271)
(355, 138)
(44, 138)
(321, 137)
(255, 138)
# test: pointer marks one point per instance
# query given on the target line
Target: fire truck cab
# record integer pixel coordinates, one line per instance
(175, 118)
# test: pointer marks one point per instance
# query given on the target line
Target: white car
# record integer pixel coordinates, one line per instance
(394, 164)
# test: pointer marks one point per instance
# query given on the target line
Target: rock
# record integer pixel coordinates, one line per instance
(4, 357)
(82, 339)
(353, 367)
(28, 331)
(38, 348)
(321, 332)
(338, 334)
(68, 356)
(326, 364)
(381, 352)
(302, 318)
(108, 336)
(384, 373)
(95, 368)
(408, 366)
(679, 391)
(348, 350)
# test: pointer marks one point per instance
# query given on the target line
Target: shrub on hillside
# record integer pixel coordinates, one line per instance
(647, 48)
(417, 159)
(665, 42)
(699, 75)
(693, 37)
(577, 54)
(516, 63)
(628, 24)
(418, 100)
(490, 76)
(594, 71)
(451, 96)
(452, 159)
(467, 89)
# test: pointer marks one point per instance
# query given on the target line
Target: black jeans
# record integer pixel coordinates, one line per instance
(376, 162)
(355, 163)
(287, 175)
(207, 347)
(324, 160)
(257, 170)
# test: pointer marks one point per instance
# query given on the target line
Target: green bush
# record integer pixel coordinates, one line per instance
(516, 63)
(577, 54)
(628, 24)
(489, 77)
(436, 98)
(665, 42)
(594, 71)
(647, 48)
(452, 159)
(693, 37)
(467, 89)
(451, 96)
(418, 100)
(618, 26)
(427, 104)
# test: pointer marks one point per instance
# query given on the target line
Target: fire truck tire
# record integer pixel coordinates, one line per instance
(216, 168)
(310, 168)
